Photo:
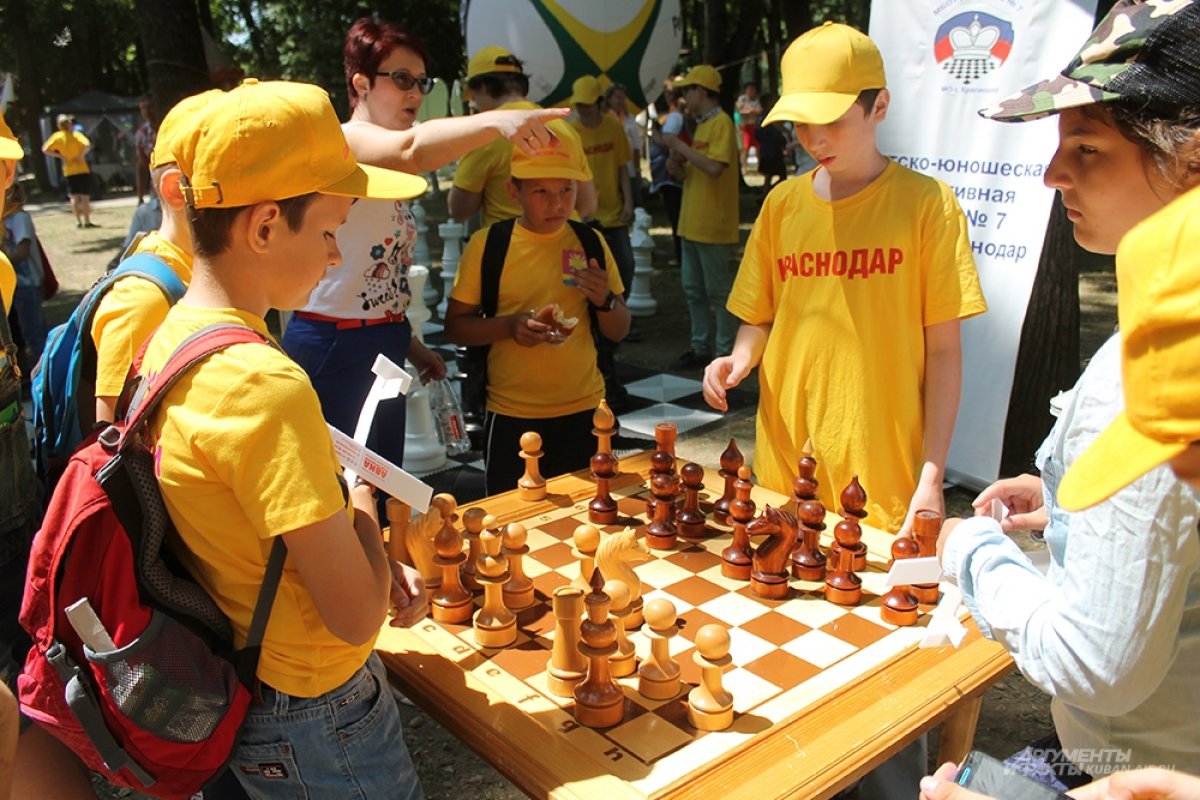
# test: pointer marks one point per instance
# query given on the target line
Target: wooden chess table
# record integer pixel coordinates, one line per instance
(822, 693)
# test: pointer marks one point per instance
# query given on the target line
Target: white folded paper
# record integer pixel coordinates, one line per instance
(944, 627)
(378, 471)
(907, 571)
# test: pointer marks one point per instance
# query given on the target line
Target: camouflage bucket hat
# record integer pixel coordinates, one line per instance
(1144, 51)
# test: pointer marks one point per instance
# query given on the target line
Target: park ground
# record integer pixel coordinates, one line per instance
(1014, 712)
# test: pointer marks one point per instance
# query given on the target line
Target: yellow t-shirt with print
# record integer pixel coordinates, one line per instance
(243, 455)
(607, 149)
(849, 287)
(708, 212)
(549, 380)
(71, 146)
(129, 312)
(485, 171)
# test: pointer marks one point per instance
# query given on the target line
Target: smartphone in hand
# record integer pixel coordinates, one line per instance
(986, 775)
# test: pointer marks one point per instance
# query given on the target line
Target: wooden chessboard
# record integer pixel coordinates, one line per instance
(791, 658)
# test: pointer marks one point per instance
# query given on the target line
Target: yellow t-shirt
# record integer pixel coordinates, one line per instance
(549, 380)
(8, 283)
(708, 212)
(849, 287)
(71, 146)
(607, 150)
(243, 455)
(486, 169)
(129, 313)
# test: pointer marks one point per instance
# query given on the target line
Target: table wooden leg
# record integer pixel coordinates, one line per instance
(958, 731)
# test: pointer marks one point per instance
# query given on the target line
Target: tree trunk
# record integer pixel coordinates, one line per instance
(29, 89)
(797, 17)
(1048, 357)
(175, 62)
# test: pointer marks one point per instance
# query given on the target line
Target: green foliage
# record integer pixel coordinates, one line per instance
(302, 39)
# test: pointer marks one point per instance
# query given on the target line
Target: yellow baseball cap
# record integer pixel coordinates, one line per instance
(272, 140)
(824, 71)
(562, 158)
(492, 59)
(178, 123)
(586, 90)
(1158, 304)
(701, 75)
(9, 146)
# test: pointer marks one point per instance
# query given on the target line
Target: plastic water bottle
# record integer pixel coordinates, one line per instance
(448, 414)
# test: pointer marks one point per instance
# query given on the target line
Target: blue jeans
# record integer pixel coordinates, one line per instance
(27, 305)
(707, 274)
(347, 743)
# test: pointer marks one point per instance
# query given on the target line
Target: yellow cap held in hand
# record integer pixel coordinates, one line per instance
(823, 72)
(273, 140)
(1158, 303)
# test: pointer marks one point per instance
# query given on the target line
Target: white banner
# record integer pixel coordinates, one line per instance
(945, 60)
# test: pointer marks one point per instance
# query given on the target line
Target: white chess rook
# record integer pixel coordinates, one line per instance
(451, 233)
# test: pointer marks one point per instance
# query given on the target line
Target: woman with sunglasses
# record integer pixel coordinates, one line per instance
(358, 309)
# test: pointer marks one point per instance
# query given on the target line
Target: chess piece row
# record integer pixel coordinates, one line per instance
(591, 652)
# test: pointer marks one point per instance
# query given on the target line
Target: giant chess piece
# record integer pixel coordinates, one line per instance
(658, 677)
(567, 664)
(641, 303)
(710, 707)
(854, 508)
(736, 559)
(518, 592)
(926, 527)
(731, 461)
(531, 485)
(599, 701)
(452, 235)
(690, 520)
(899, 606)
(769, 576)
(423, 451)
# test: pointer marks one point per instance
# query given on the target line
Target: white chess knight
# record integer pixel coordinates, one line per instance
(974, 40)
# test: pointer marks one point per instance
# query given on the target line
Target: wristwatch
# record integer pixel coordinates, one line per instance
(609, 303)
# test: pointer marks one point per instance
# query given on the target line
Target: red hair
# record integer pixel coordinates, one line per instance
(368, 42)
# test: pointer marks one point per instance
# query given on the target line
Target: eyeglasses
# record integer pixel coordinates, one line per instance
(405, 80)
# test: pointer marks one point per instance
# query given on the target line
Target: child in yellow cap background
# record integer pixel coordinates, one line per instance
(851, 290)
(1112, 629)
(243, 453)
(496, 80)
(134, 306)
(537, 379)
(708, 216)
(72, 148)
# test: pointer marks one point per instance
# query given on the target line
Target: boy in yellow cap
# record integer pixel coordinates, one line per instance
(131, 310)
(708, 216)
(541, 365)
(854, 281)
(243, 454)
(496, 80)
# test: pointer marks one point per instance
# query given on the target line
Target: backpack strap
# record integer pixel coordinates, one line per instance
(192, 350)
(592, 251)
(495, 250)
(153, 269)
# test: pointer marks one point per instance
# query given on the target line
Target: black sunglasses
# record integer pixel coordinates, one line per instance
(405, 80)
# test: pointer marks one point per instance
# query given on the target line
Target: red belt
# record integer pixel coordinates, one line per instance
(349, 324)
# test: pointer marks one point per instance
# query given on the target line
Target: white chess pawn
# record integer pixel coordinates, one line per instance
(658, 677)
(587, 542)
(710, 707)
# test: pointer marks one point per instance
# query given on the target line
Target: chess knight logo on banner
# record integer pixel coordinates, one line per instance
(972, 44)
